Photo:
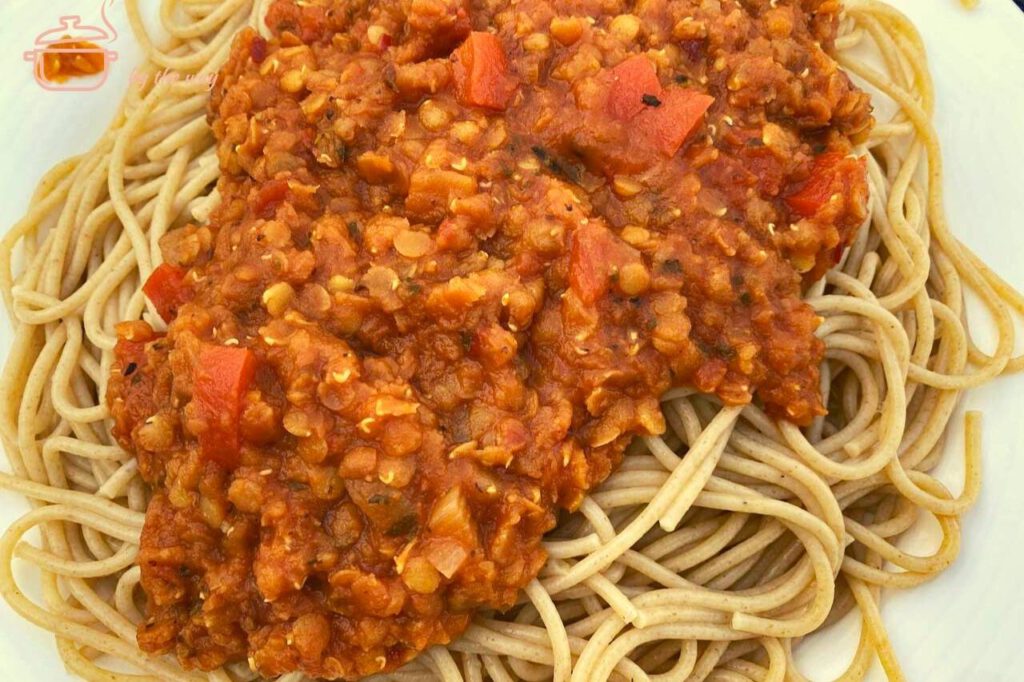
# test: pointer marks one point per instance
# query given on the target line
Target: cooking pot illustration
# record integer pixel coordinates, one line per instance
(73, 49)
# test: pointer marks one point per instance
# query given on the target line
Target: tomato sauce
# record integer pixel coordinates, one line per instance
(463, 249)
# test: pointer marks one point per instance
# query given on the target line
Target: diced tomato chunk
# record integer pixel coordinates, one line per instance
(595, 255)
(129, 355)
(167, 290)
(832, 173)
(480, 70)
(631, 80)
(269, 197)
(132, 381)
(222, 378)
(666, 126)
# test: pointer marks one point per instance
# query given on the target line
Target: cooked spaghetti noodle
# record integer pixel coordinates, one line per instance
(708, 566)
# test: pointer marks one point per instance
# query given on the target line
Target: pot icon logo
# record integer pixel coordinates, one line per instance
(71, 51)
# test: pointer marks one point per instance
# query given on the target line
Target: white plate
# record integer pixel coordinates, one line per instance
(959, 627)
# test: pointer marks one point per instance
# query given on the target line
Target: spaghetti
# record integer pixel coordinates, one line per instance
(708, 566)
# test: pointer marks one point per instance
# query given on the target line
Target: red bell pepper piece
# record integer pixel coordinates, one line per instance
(831, 173)
(666, 126)
(480, 70)
(129, 355)
(222, 377)
(664, 117)
(269, 197)
(595, 254)
(167, 290)
(631, 80)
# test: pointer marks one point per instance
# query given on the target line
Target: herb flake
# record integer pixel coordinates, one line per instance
(567, 171)
(672, 266)
(403, 526)
(354, 231)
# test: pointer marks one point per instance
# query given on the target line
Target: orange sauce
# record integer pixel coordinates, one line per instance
(64, 60)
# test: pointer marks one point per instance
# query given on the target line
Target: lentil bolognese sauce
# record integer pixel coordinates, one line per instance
(451, 274)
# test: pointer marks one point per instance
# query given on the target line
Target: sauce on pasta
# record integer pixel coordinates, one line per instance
(460, 254)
